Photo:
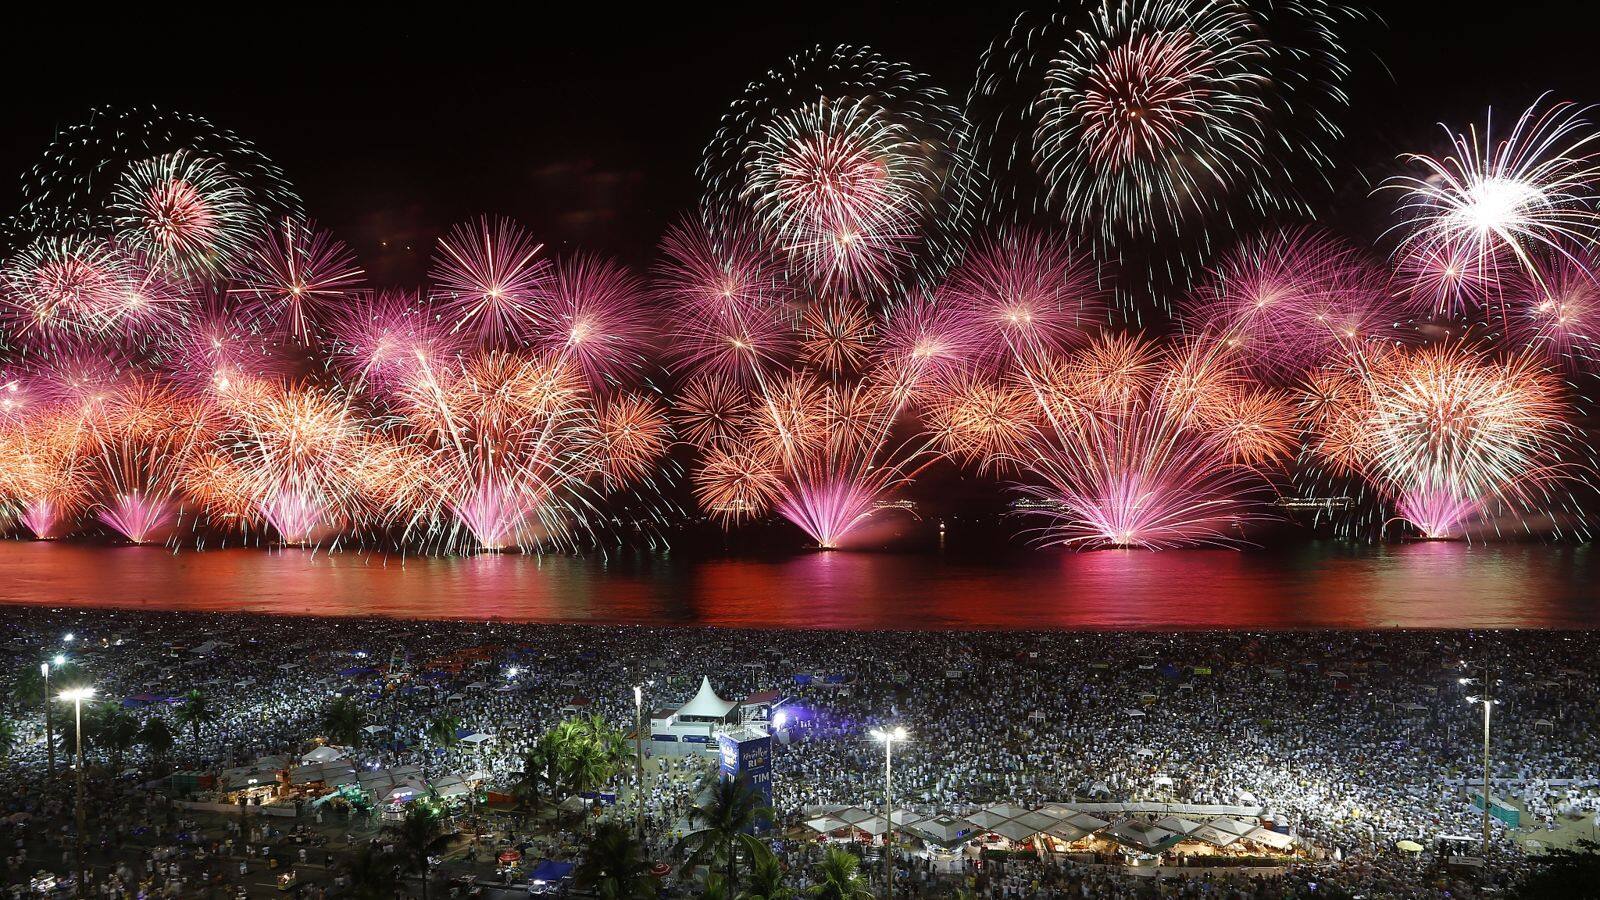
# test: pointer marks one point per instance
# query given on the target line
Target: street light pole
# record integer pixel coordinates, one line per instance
(49, 721)
(888, 738)
(638, 760)
(1488, 705)
(77, 696)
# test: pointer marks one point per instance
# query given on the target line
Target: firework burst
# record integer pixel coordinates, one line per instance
(854, 167)
(489, 278)
(1445, 432)
(1510, 197)
(800, 420)
(297, 277)
(1143, 123)
(1291, 301)
(186, 213)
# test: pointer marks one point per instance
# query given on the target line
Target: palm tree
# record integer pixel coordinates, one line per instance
(420, 835)
(838, 878)
(715, 887)
(443, 732)
(615, 866)
(156, 736)
(541, 767)
(8, 737)
(766, 873)
(374, 875)
(344, 721)
(195, 711)
(731, 808)
(116, 730)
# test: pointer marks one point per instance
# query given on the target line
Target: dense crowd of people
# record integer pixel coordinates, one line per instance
(1355, 741)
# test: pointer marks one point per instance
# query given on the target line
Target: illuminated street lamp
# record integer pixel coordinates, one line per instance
(888, 737)
(638, 760)
(49, 727)
(76, 696)
(1488, 707)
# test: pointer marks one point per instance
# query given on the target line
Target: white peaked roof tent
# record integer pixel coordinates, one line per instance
(706, 703)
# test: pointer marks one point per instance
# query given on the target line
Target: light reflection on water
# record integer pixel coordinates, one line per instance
(1318, 585)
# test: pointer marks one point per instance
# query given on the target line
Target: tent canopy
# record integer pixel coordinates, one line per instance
(706, 703)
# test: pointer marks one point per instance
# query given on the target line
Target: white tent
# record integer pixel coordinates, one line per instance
(873, 825)
(984, 818)
(852, 814)
(1143, 836)
(1234, 827)
(322, 755)
(1007, 810)
(706, 703)
(1011, 829)
(943, 829)
(334, 773)
(904, 817)
(1065, 832)
(1135, 713)
(1178, 825)
(1212, 835)
(1270, 838)
(1086, 822)
(1038, 821)
(477, 737)
(826, 824)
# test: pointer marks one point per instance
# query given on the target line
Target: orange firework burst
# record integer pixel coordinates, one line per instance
(1444, 431)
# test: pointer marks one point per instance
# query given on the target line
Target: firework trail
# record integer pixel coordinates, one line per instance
(138, 445)
(853, 167)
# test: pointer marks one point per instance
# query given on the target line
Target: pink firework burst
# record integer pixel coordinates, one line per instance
(596, 316)
(187, 213)
(145, 301)
(1289, 301)
(297, 277)
(727, 302)
(1559, 310)
(1142, 476)
(390, 339)
(217, 353)
(1448, 279)
(1025, 296)
(488, 280)
(839, 185)
(62, 284)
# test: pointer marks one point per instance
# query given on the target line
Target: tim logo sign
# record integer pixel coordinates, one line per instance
(751, 760)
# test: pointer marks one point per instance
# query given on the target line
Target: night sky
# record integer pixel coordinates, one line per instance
(586, 124)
